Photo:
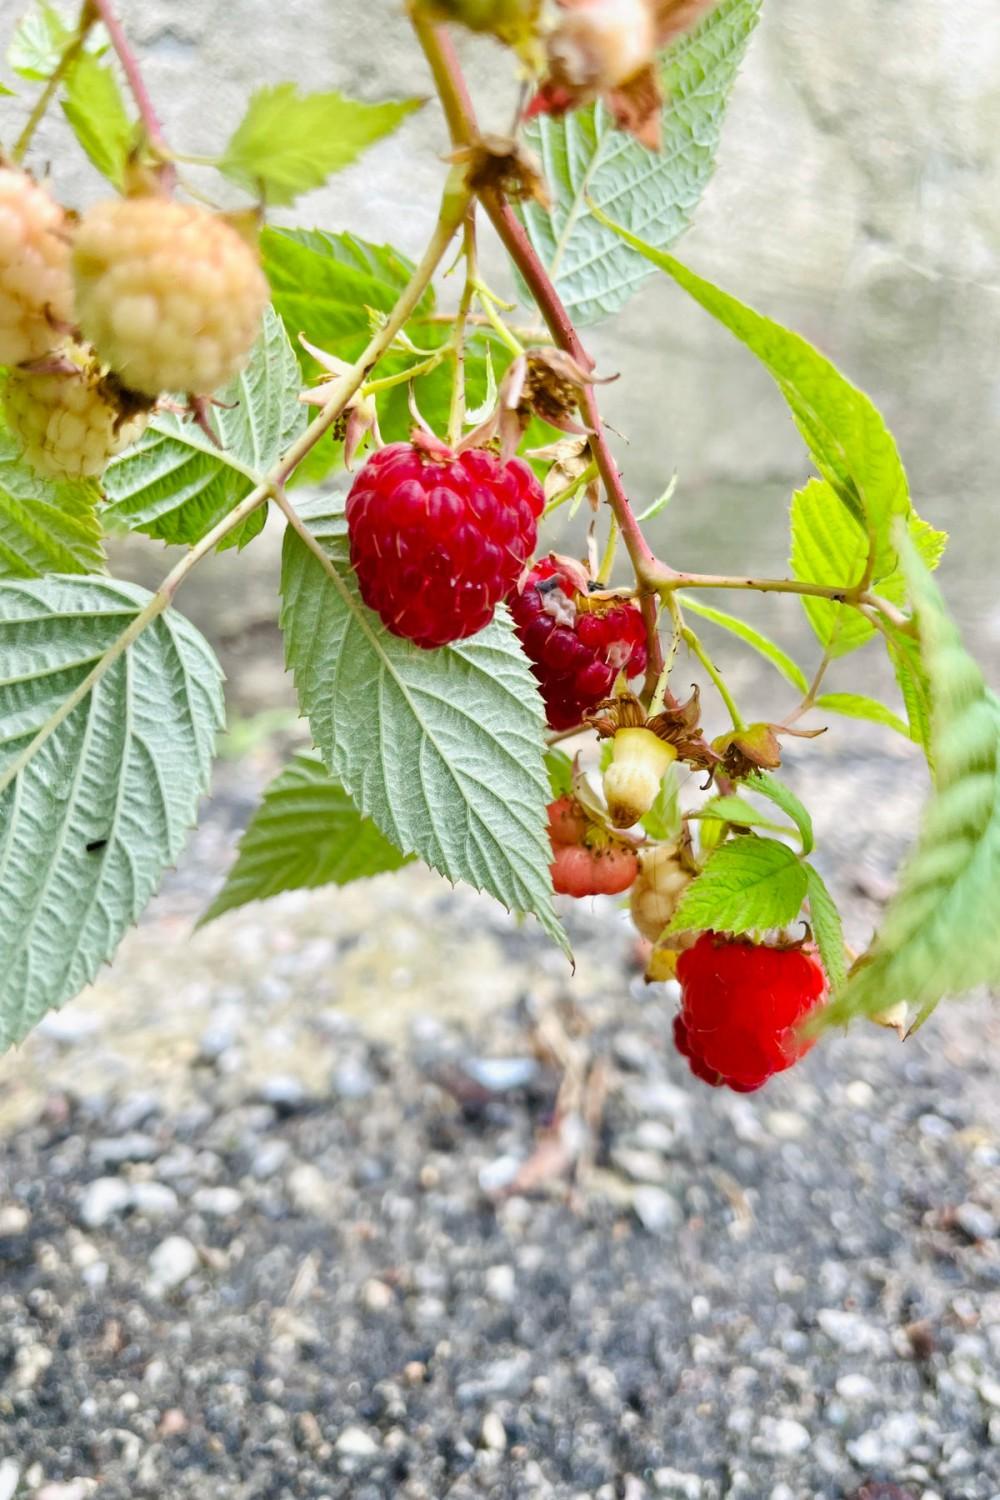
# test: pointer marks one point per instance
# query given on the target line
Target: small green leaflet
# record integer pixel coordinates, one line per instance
(45, 526)
(851, 446)
(288, 143)
(914, 684)
(824, 919)
(940, 933)
(585, 158)
(560, 769)
(443, 750)
(94, 107)
(766, 785)
(306, 833)
(39, 41)
(663, 821)
(95, 802)
(741, 813)
(748, 885)
(857, 706)
(175, 483)
(829, 547)
(755, 638)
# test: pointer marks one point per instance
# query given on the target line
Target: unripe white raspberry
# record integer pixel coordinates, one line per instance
(70, 420)
(36, 290)
(640, 760)
(168, 293)
(600, 44)
(663, 878)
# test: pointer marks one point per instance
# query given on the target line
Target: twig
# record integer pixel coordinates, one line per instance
(136, 82)
(66, 61)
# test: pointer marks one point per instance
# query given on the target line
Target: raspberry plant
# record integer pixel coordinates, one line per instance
(160, 357)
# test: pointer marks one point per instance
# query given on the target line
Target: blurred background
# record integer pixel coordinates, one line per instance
(361, 1193)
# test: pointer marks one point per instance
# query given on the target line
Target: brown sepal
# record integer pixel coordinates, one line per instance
(501, 164)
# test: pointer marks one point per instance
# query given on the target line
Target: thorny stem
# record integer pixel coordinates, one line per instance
(66, 61)
(692, 641)
(140, 93)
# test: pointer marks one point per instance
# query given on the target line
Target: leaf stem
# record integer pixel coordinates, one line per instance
(693, 643)
(71, 53)
(136, 82)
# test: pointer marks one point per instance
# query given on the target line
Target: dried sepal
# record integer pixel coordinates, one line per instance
(497, 163)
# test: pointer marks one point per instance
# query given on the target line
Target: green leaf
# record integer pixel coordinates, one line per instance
(288, 143)
(940, 933)
(755, 638)
(783, 797)
(586, 159)
(857, 706)
(442, 749)
(95, 109)
(39, 41)
(741, 813)
(824, 918)
(306, 832)
(850, 444)
(5, 92)
(829, 547)
(560, 769)
(914, 684)
(175, 483)
(663, 821)
(748, 885)
(45, 527)
(93, 806)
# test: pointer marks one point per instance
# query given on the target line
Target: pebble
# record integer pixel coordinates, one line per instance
(171, 1263)
(154, 1199)
(309, 1189)
(284, 1093)
(786, 1125)
(102, 1200)
(851, 1332)
(501, 1284)
(990, 1391)
(354, 1442)
(672, 1484)
(655, 1209)
(781, 1437)
(856, 1387)
(13, 1220)
(640, 1166)
(10, 1478)
(493, 1433)
(504, 1377)
(351, 1079)
(269, 1159)
(376, 1296)
(71, 1489)
(976, 1222)
(134, 1145)
(217, 1202)
(498, 1075)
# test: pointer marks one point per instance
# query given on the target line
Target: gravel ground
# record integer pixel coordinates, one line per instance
(395, 1208)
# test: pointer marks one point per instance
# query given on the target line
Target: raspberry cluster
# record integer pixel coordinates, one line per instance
(36, 293)
(72, 418)
(438, 539)
(168, 293)
(586, 861)
(577, 646)
(742, 1005)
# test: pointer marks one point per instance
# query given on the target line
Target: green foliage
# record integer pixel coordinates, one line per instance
(94, 107)
(560, 770)
(748, 885)
(176, 484)
(741, 813)
(782, 796)
(441, 749)
(824, 919)
(306, 833)
(45, 527)
(39, 41)
(761, 643)
(586, 160)
(663, 821)
(288, 143)
(914, 684)
(857, 706)
(940, 933)
(95, 802)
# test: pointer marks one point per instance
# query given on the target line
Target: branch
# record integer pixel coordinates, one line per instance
(140, 93)
(667, 581)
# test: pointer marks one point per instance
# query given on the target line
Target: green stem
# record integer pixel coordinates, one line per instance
(658, 700)
(812, 692)
(608, 560)
(489, 304)
(373, 387)
(693, 643)
(456, 410)
(69, 57)
(666, 580)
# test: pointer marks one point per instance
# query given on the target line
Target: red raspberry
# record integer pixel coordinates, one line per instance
(741, 1006)
(576, 653)
(586, 860)
(567, 822)
(438, 539)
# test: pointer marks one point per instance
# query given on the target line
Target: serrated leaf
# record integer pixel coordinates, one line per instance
(94, 107)
(782, 796)
(45, 527)
(39, 40)
(858, 706)
(560, 771)
(940, 934)
(586, 159)
(741, 813)
(288, 143)
(914, 685)
(844, 431)
(175, 484)
(305, 833)
(824, 919)
(748, 885)
(92, 815)
(442, 749)
(761, 643)
(829, 547)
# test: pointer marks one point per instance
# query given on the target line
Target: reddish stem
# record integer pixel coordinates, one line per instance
(130, 67)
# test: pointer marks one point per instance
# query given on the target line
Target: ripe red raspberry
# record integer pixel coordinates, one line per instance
(577, 646)
(741, 1006)
(438, 539)
(70, 419)
(168, 293)
(36, 293)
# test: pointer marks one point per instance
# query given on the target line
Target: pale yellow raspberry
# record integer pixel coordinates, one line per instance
(36, 290)
(71, 419)
(169, 294)
(663, 878)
